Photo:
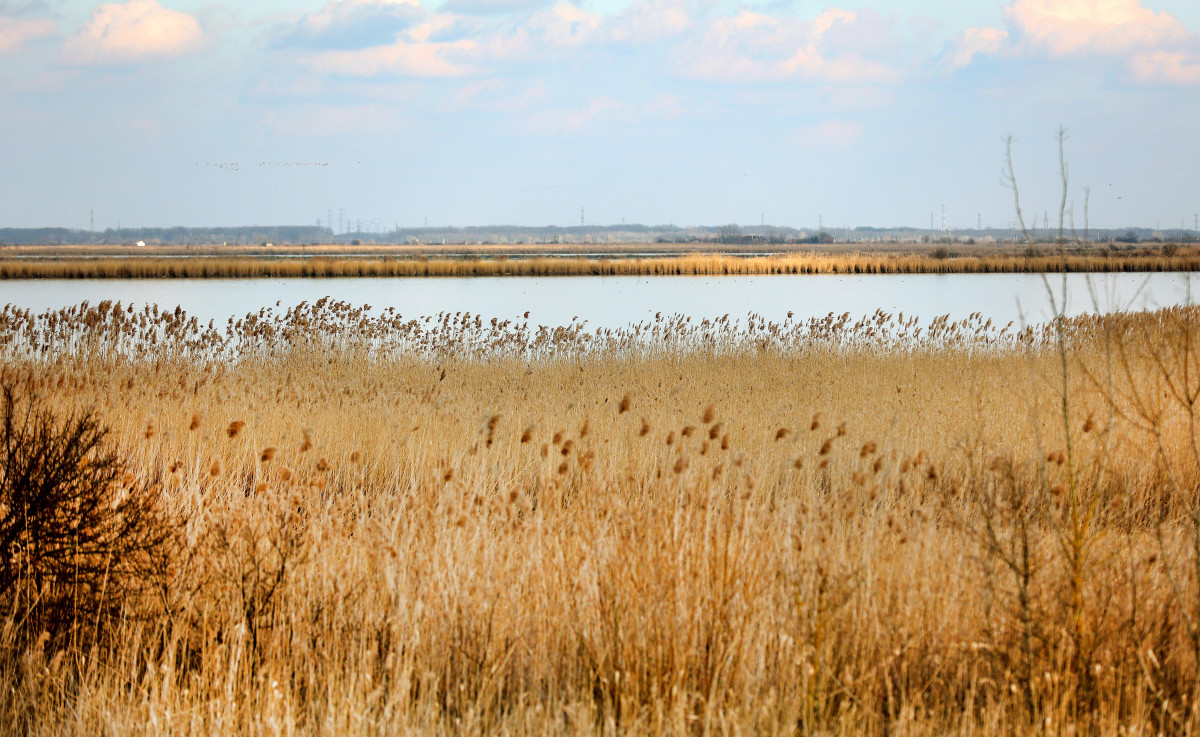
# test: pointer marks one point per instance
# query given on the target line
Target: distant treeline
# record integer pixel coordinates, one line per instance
(589, 234)
(168, 236)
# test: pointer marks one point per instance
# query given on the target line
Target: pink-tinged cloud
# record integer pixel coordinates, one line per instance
(648, 20)
(754, 47)
(414, 53)
(965, 46)
(134, 32)
(1164, 67)
(16, 32)
(1155, 47)
(1066, 27)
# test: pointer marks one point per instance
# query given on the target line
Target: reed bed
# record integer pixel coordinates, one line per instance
(443, 525)
(696, 264)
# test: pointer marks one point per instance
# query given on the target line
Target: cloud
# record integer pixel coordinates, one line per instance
(487, 7)
(1155, 47)
(1067, 27)
(562, 25)
(352, 24)
(16, 32)
(431, 48)
(137, 31)
(961, 49)
(496, 95)
(648, 20)
(755, 47)
(1164, 67)
(579, 120)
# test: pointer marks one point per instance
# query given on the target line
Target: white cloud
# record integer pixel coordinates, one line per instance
(962, 48)
(561, 26)
(1165, 67)
(15, 32)
(137, 31)
(414, 53)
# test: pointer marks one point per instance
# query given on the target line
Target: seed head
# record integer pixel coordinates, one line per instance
(234, 428)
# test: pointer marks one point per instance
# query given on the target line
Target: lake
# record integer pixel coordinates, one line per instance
(613, 302)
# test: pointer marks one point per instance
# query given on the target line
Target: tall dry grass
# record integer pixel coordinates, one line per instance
(443, 525)
(397, 264)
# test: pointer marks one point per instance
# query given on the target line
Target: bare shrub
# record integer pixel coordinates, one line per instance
(80, 538)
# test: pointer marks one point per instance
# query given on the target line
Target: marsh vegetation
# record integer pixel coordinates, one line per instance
(65, 262)
(371, 524)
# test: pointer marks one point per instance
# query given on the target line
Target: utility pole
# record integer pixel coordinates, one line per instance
(979, 221)
(581, 216)
(341, 221)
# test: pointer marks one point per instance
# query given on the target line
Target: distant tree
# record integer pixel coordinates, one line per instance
(731, 233)
(1127, 237)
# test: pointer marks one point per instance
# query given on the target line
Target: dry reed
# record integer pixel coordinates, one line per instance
(495, 537)
(973, 260)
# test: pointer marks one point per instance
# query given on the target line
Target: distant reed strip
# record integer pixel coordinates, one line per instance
(688, 265)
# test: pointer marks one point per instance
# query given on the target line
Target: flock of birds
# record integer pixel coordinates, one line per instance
(237, 166)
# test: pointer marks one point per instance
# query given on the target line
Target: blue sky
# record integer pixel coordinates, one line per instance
(467, 112)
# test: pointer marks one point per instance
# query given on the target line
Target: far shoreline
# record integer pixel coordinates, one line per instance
(646, 259)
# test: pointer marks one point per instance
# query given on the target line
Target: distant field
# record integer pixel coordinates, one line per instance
(449, 526)
(123, 262)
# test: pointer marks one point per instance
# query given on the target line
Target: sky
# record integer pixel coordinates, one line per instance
(691, 112)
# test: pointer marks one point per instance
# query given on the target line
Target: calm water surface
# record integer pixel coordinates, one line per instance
(619, 301)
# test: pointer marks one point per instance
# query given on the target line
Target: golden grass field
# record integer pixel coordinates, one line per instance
(445, 526)
(70, 262)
